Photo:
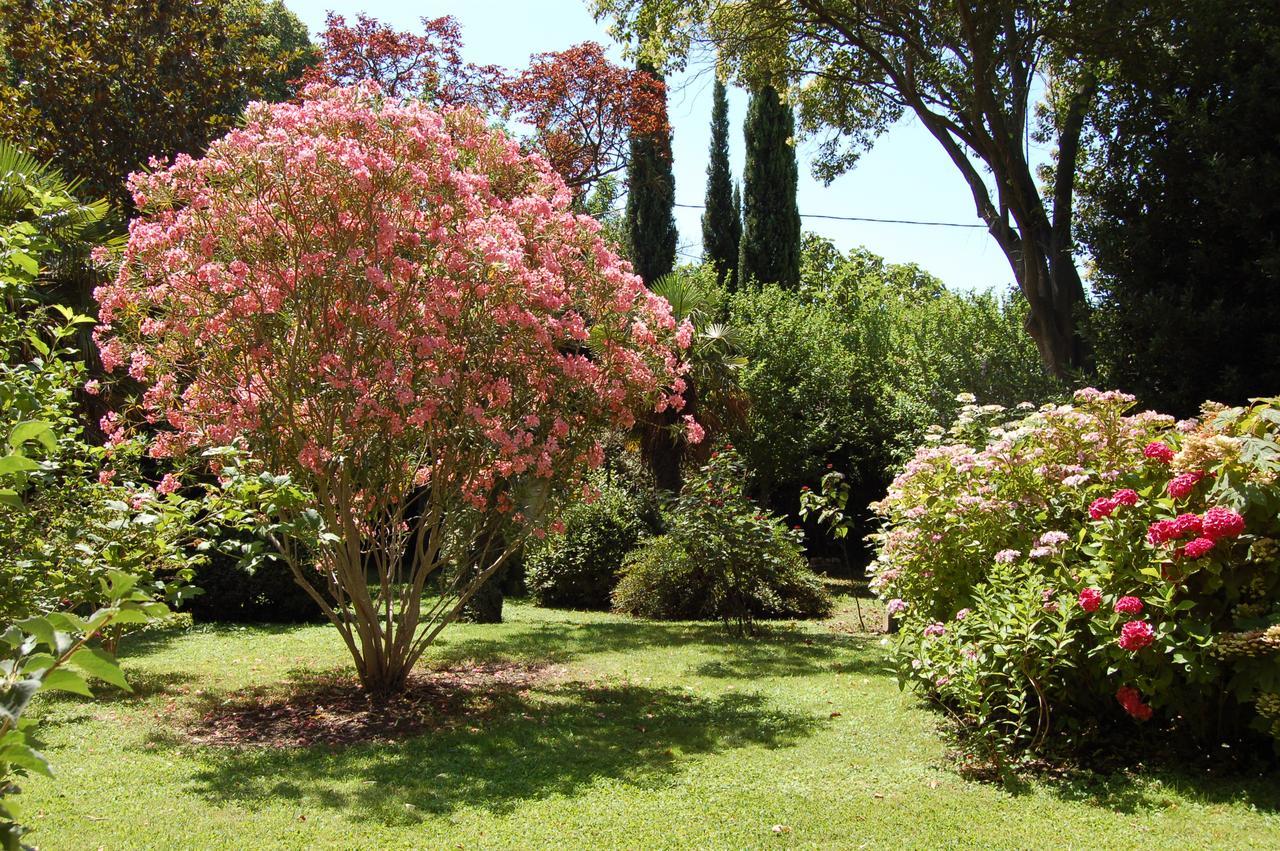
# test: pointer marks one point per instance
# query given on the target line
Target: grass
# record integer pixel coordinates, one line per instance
(643, 735)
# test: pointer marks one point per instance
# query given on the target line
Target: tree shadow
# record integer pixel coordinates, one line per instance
(779, 650)
(551, 740)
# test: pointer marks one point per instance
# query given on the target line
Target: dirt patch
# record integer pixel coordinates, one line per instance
(332, 709)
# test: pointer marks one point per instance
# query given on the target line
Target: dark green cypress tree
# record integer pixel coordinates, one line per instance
(651, 199)
(770, 219)
(721, 225)
(737, 231)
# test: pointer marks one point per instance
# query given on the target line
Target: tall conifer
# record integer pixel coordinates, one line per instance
(770, 250)
(721, 222)
(651, 198)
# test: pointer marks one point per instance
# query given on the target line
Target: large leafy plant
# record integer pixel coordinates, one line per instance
(1056, 570)
(55, 652)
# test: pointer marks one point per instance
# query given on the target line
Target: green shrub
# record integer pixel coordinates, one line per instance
(1077, 569)
(722, 558)
(233, 591)
(852, 368)
(579, 568)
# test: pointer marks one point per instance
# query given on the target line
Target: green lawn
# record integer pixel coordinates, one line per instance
(637, 735)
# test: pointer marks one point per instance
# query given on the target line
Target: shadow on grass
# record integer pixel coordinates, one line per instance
(549, 741)
(778, 651)
(1160, 787)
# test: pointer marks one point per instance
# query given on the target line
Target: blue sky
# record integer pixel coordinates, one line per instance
(906, 175)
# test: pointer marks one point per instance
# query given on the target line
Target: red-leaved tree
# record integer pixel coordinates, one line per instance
(404, 64)
(395, 307)
(584, 110)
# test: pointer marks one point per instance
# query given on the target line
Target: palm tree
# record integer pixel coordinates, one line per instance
(712, 396)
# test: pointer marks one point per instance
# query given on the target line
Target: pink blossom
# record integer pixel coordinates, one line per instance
(1181, 486)
(896, 606)
(1007, 556)
(694, 432)
(1135, 635)
(1220, 523)
(1128, 606)
(962, 614)
(1158, 451)
(105, 477)
(1198, 548)
(1125, 496)
(1102, 507)
(168, 484)
(1131, 700)
(1090, 599)
(934, 630)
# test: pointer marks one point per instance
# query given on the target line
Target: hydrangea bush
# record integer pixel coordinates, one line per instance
(1057, 571)
(398, 310)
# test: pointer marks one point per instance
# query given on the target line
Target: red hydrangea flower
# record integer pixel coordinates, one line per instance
(1162, 532)
(1125, 496)
(1158, 451)
(1129, 606)
(1136, 635)
(1188, 525)
(1102, 507)
(1198, 548)
(1222, 523)
(1180, 487)
(1090, 599)
(1131, 700)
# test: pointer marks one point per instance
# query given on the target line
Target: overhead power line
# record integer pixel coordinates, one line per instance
(868, 219)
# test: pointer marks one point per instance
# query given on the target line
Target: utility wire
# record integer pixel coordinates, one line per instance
(867, 219)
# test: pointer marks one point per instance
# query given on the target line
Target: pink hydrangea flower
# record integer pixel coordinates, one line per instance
(962, 614)
(1188, 525)
(935, 629)
(896, 605)
(1220, 523)
(1158, 451)
(1125, 496)
(1090, 599)
(1181, 486)
(1162, 532)
(1135, 635)
(1131, 700)
(1007, 556)
(1102, 507)
(1129, 606)
(1199, 548)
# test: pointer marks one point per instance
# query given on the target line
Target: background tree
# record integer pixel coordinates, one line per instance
(99, 87)
(721, 225)
(770, 244)
(585, 110)
(1180, 207)
(418, 385)
(965, 69)
(651, 199)
(404, 64)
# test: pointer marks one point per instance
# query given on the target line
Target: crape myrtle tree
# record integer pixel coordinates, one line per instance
(397, 309)
(965, 69)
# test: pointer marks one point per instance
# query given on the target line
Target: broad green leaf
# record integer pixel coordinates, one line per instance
(64, 679)
(99, 663)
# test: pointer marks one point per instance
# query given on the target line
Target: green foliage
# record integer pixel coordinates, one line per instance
(578, 568)
(1180, 207)
(53, 653)
(651, 198)
(67, 519)
(1056, 570)
(99, 87)
(851, 369)
(722, 557)
(770, 243)
(722, 218)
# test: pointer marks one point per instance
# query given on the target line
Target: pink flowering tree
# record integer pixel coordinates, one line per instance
(395, 308)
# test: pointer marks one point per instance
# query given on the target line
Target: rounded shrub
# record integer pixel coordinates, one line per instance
(722, 558)
(578, 568)
(1063, 571)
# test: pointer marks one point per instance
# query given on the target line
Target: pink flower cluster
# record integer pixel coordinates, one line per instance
(1181, 486)
(397, 290)
(1159, 451)
(1218, 523)
(1090, 599)
(1105, 506)
(1131, 699)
